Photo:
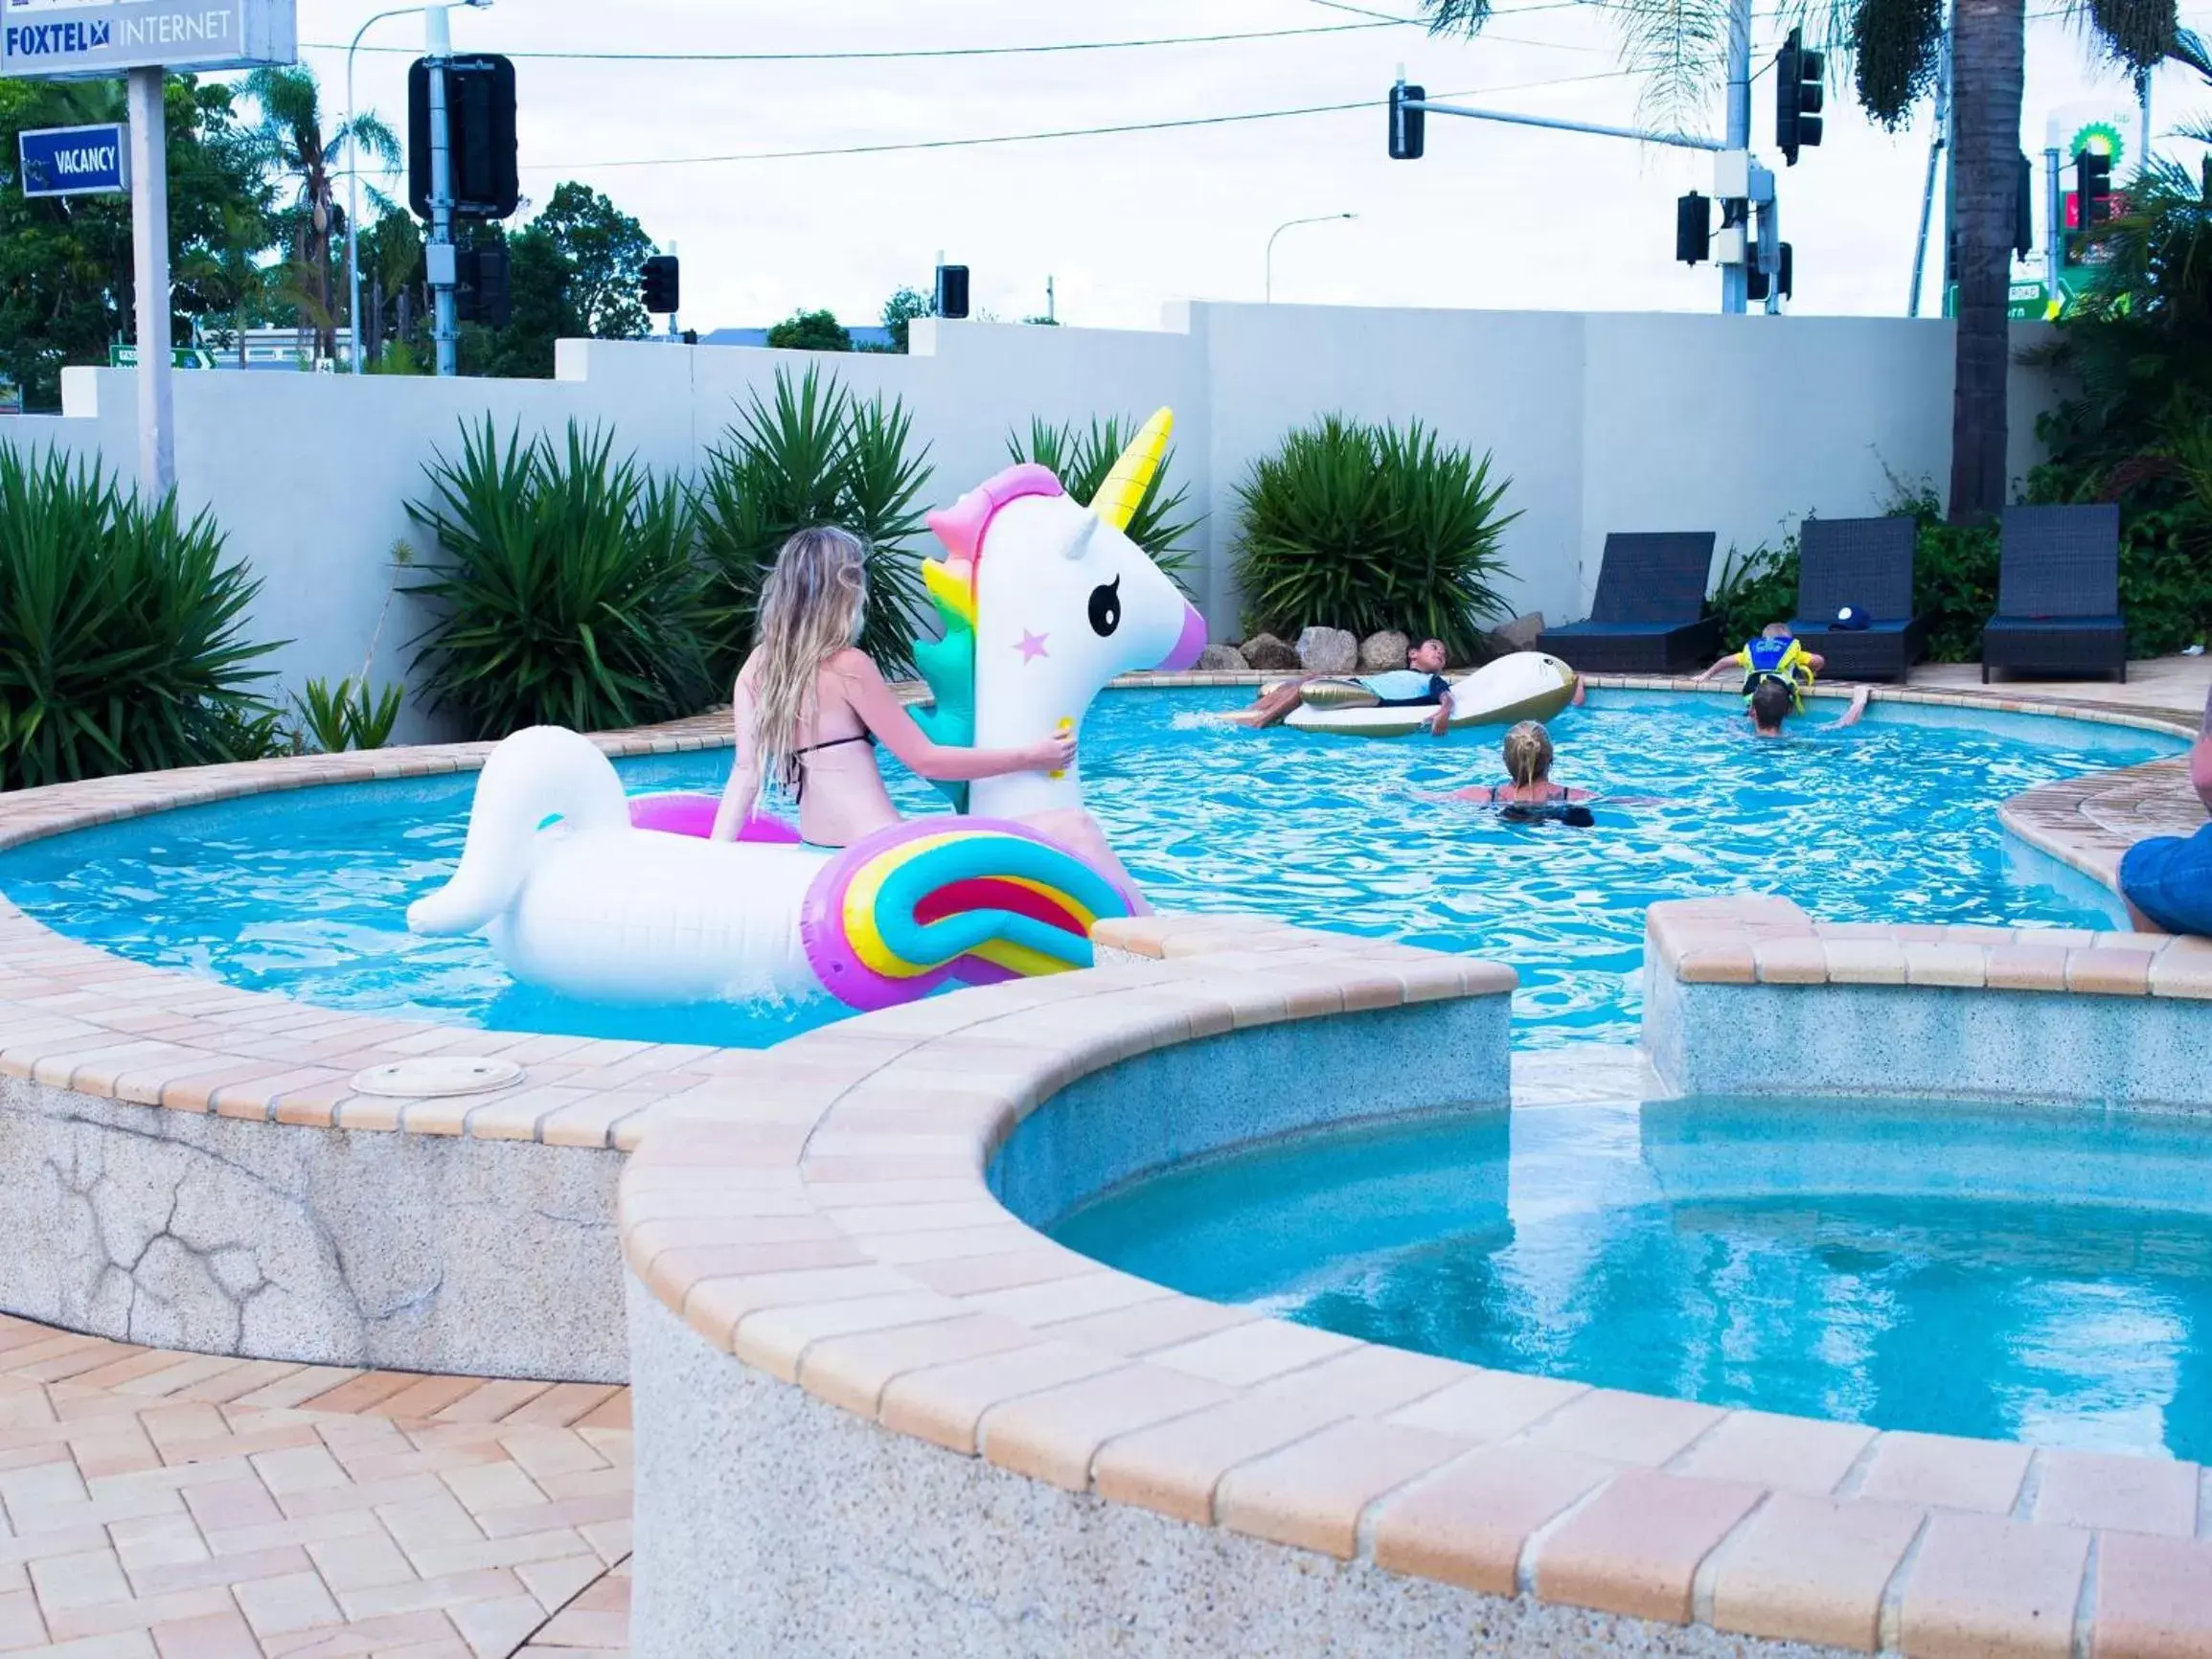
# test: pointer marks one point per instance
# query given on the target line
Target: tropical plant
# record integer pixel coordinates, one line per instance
(1080, 460)
(815, 454)
(348, 715)
(291, 126)
(228, 269)
(122, 631)
(565, 585)
(1894, 46)
(1754, 589)
(810, 332)
(1369, 528)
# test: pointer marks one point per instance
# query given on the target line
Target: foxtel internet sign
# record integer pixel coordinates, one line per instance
(70, 39)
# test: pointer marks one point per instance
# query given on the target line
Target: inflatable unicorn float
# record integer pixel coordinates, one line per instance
(588, 891)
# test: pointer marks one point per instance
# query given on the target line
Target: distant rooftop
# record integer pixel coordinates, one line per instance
(869, 336)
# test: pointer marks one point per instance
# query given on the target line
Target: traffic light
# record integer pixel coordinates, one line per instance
(480, 286)
(479, 136)
(662, 285)
(2024, 208)
(1408, 126)
(1694, 228)
(2092, 187)
(951, 292)
(1800, 80)
(1756, 281)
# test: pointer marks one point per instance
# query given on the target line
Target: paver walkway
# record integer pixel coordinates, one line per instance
(178, 1506)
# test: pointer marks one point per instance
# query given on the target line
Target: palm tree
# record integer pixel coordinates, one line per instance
(291, 126)
(1894, 48)
(229, 270)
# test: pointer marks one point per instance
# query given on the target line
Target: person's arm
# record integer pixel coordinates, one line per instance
(1859, 699)
(744, 789)
(1440, 722)
(882, 713)
(1734, 659)
(1582, 693)
(1814, 660)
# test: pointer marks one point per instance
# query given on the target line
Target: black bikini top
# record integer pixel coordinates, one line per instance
(795, 775)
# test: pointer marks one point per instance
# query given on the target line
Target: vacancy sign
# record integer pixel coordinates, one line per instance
(75, 161)
(77, 39)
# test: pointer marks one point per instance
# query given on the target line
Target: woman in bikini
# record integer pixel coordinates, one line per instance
(810, 706)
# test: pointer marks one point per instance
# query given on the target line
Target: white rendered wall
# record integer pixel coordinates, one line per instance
(1603, 421)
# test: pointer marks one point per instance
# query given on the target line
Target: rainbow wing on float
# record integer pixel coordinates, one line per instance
(897, 913)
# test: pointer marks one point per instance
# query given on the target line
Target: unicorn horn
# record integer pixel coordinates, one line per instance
(1118, 498)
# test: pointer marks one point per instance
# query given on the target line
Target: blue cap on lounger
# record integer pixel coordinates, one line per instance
(1851, 617)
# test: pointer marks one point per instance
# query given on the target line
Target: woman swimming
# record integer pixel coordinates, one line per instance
(810, 706)
(1530, 796)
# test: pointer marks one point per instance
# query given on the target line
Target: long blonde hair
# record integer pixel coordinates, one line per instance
(812, 607)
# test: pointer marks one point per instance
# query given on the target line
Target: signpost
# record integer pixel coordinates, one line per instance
(143, 40)
(75, 161)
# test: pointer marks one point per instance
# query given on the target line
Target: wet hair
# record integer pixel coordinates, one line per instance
(812, 608)
(1770, 704)
(1528, 754)
(1775, 631)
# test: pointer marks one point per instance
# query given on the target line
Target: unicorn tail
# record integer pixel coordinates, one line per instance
(536, 774)
(899, 912)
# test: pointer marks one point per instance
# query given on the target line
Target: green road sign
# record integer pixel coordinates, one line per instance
(123, 357)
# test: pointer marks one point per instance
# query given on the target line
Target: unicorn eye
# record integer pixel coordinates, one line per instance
(1106, 607)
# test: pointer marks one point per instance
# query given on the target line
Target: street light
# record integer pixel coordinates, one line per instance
(1317, 219)
(353, 176)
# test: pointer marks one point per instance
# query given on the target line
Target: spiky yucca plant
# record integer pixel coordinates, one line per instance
(1367, 528)
(566, 588)
(121, 631)
(815, 454)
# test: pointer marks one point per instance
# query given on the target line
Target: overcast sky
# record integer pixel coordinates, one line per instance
(1495, 216)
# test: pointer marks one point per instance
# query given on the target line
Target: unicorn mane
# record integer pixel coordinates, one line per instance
(947, 664)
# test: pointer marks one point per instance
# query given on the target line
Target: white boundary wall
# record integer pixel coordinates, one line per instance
(1603, 421)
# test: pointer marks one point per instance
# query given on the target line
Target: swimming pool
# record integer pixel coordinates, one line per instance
(2041, 1276)
(304, 893)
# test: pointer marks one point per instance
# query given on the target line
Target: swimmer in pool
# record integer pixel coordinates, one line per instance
(1418, 685)
(1773, 700)
(1528, 768)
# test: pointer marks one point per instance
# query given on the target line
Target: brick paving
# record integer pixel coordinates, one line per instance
(181, 1506)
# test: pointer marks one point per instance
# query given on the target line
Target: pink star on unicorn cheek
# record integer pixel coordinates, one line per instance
(1032, 645)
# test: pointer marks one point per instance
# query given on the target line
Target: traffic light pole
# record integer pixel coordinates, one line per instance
(1732, 279)
(438, 257)
(1679, 140)
(2054, 229)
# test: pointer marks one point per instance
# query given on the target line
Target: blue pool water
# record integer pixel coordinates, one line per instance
(2037, 1276)
(305, 893)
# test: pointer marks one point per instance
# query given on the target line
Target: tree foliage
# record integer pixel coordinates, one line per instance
(810, 332)
(65, 270)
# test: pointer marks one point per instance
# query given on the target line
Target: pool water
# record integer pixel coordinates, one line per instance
(304, 893)
(2041, 1276)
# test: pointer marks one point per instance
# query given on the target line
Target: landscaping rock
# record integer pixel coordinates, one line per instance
(1216, 658)
(1386, 650)
(1269, 654)
(1328, 652)
(1521, 633)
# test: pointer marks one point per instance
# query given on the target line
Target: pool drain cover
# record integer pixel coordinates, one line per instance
(437, 1074)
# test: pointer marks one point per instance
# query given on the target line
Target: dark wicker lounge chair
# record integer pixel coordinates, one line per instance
(1646, 618)
(1865, 563)
(2058, 594)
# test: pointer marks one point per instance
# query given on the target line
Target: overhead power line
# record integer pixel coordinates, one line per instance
(996, 138)
(917, 52)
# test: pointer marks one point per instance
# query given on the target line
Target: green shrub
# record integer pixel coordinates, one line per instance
(806, 331)
(348, 715)
(122, 645)
(1369, 528)
(1081, 460)
(1754, 590)
(819, 455)
(566, 587)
